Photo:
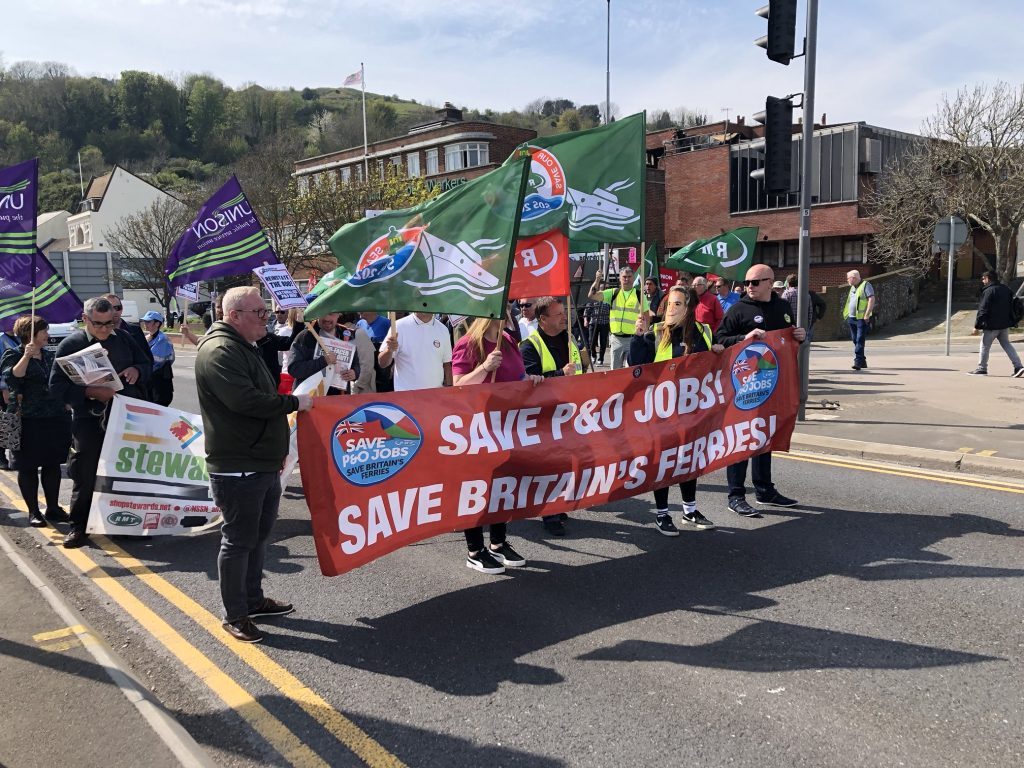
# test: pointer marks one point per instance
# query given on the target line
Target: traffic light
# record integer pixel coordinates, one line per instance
(780, 42)
(777, 119)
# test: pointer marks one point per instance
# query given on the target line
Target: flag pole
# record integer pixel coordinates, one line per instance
(366, 145)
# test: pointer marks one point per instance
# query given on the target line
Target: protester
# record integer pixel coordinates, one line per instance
(546, 352)
(527, 318)
(366, 381)
(276, 342)
(45, 422)
(680, 334)
(160, 347)
(815, 304)
(7, 342)
(90, 403)
(750, 318)
(307, 356)
(993, 321)
(375, 325)
(596, 321)
(419, 352)
(489, 353)
(652, 291)
(627, 303)
(709, 310)
(858, 306)
(778, 287)
(726, 296)
(247, 437)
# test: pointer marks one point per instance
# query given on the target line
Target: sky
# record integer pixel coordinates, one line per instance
(885, 62)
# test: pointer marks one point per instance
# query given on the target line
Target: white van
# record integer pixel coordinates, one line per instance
(131, 312)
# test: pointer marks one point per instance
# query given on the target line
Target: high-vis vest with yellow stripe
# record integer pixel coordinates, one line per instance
(547, 362)
(664, 350)
(625, 309)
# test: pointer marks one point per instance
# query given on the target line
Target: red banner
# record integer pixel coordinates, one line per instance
(383, 471)
(541, 266)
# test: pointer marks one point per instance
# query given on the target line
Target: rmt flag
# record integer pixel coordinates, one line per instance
(225, 239)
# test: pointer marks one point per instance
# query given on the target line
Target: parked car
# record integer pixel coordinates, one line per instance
(59, 332)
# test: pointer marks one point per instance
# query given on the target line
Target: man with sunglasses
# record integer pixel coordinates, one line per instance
(760, 310)
(246, 426)
(89, 404)
(527, 318)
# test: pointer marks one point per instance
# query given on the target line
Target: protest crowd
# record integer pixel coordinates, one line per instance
(359, 332)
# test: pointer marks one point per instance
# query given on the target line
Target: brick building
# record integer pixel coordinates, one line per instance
(708, 190)
(446, 151)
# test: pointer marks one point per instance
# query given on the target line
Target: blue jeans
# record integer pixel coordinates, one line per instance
(858, 332)
(249, 505)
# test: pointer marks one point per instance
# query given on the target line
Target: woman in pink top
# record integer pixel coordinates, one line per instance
(489, 353)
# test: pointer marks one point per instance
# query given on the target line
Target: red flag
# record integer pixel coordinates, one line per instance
(541, 266)
(313, 280)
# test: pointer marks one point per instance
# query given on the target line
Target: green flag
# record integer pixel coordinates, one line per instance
(650, 268)
(451, 255)
(729, 255)
(598, 174)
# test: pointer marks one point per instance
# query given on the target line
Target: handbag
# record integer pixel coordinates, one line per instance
(10, 428)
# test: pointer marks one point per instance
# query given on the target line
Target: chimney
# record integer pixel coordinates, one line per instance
(740, 120)
(824, 119)
(449, 113)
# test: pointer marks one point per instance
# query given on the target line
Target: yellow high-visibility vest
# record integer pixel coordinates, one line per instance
(547, 362)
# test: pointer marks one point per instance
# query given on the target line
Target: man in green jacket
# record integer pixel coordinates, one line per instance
(246, 429)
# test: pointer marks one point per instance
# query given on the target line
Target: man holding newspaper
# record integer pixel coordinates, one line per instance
(92, 365)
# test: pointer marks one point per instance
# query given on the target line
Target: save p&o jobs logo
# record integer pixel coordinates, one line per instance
(386, 256)
(546, 185)
(755, 372)
(374, 443)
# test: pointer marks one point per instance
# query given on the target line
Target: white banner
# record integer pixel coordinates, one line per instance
(281, 286)
(152, 478)
(316, 386)
(189, 292)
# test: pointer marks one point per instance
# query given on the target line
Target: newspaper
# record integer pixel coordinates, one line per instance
(91, 367)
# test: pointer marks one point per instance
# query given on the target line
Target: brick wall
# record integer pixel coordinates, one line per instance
(897, 296)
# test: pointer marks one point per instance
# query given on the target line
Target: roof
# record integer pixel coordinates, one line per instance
(98, 185)
(42, 218)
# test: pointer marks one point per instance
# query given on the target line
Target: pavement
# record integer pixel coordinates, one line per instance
(913, 406)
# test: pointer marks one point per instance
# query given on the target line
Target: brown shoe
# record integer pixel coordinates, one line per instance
(271, 607)
(243, 630)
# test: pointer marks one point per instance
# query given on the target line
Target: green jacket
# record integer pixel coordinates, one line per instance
(243, 416)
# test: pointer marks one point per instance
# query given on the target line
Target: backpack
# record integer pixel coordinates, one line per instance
(818, 306)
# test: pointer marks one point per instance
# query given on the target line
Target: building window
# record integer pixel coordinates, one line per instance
(412, 162)
(853, 251)
(357, 172)
(396, 161)
(303, 183)
(467, 155)
(380, 167)
(431, 162)
(832, 250)
(346, 175)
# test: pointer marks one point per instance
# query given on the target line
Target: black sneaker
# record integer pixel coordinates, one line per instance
(75, 539)
(484, 562)
(740, 507)
(696, 519)
(979, 372)
(855, 367)
(243, 630)
(507, 556)
(776, 500)
(554, 526)
(271, 607)
(36, 519)
(1018, 373)
(665, 525)
(56, 515)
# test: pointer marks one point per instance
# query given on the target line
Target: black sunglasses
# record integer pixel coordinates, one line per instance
(755, 282)
(525, 306)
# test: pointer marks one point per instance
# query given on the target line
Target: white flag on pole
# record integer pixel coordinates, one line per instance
(356, 78)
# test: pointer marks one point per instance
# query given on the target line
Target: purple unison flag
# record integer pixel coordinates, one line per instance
(54, 301)
(225, 239)
(19, 193)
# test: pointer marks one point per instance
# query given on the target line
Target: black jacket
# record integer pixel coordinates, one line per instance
(995, 310)
(746, 315)
(123, 353)
(304, 361)
(269, 346)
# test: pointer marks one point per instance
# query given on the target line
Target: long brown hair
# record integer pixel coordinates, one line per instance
(683, 329)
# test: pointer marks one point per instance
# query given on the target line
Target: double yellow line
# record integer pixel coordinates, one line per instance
(275, 732)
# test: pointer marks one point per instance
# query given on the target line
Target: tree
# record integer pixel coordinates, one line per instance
(569, 120)
(590, 114)
(662, 120)
(970, 162)
(144, 241)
